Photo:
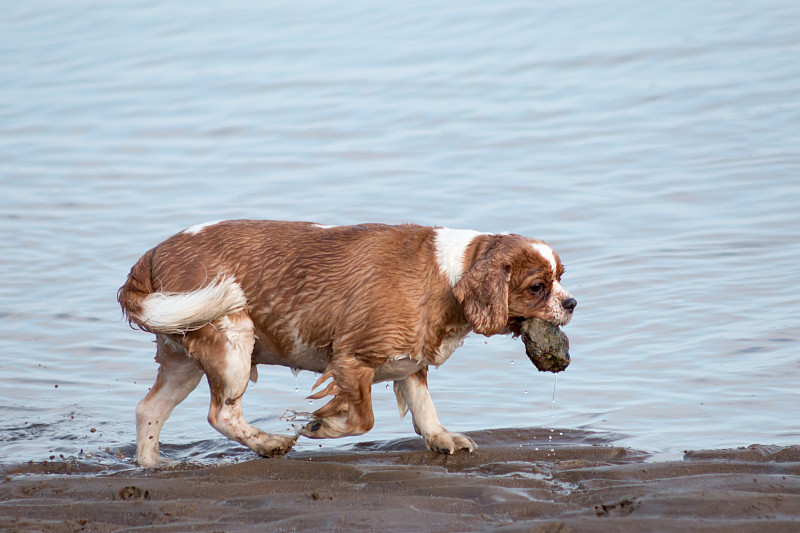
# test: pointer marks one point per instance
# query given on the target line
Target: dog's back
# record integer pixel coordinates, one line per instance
(317, 278)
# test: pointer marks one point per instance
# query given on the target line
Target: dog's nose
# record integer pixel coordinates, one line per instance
(569, 304)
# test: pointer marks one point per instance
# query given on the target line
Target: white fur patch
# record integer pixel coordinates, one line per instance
(415, 397)
(181, 312)
(451, 245)
(543, 249)
(555, 307)
(323, 226)
(197, 228)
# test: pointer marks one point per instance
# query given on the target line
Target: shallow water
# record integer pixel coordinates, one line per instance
(654, 145)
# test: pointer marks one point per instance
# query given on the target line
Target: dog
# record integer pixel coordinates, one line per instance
(359, 304)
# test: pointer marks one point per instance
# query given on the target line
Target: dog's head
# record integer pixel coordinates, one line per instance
(511, 278)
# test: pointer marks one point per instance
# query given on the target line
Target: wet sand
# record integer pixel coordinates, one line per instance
(507, 485)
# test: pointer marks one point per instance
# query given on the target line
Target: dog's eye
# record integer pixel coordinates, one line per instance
(536, 288)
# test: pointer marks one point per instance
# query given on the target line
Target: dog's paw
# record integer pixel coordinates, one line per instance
(312, 430)
(447, 442)
(275, 445)
(327, 428)
(155, 463)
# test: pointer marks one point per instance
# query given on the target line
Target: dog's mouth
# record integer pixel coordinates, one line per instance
(545, 344)
(515, 325)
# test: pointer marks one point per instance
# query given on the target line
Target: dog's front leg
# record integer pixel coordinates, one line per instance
(350, 410)
(414, 391)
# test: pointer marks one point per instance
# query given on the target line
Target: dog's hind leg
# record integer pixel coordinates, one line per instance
(224, 349)
(178, 375)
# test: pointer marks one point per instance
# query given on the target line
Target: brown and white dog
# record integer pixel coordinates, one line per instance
(360, 304)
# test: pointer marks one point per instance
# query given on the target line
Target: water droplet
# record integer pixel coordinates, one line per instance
(555, 382)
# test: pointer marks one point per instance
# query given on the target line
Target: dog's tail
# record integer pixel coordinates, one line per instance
(176, 312)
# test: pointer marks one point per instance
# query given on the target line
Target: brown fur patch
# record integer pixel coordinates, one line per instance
(343, 300)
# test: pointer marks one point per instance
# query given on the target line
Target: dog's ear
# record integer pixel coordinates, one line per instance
(483, 294)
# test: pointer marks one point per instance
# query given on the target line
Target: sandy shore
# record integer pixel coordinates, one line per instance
(507, 485)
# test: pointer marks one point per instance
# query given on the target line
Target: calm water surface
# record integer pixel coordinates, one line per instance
(655, 145)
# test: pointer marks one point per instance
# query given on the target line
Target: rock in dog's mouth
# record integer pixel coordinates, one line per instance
(545, 344)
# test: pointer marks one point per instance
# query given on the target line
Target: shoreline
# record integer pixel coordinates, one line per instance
(506, 485)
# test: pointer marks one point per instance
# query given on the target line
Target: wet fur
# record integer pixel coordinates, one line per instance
(352, 302)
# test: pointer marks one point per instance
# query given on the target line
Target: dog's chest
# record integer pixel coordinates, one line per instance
(449, 344)
(402, 366)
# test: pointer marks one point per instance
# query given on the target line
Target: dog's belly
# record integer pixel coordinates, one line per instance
(303, 357)
(399, 367)
(300, 357)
